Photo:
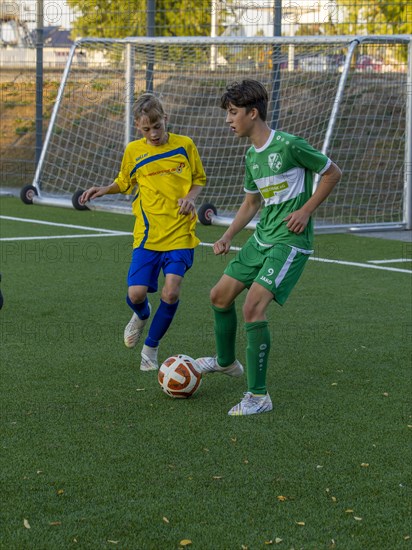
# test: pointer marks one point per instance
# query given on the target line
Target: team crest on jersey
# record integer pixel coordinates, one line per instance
(275, 161)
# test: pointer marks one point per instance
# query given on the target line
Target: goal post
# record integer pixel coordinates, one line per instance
(350, 97)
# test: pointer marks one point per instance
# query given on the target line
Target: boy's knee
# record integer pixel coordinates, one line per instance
(217, 298)
(170, 295)
(253, 311)
(137, 295)
(249, 312)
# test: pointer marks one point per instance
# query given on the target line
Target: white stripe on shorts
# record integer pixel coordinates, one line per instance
(285, 267)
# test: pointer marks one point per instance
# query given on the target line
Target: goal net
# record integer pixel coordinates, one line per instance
(347, 96)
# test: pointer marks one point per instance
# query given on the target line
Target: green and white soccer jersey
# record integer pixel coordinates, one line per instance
(282, 172)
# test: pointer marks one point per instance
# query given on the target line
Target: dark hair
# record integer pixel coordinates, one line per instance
(150, 106)
(247, 93)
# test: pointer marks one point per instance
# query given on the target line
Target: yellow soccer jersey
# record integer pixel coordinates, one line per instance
(159, 176)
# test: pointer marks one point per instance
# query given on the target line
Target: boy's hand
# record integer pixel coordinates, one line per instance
(222, 246)
(187, 206)
(92, 193)
(297, 221)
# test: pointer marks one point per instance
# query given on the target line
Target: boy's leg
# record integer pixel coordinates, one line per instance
(256, 399)
(163, 317)
(279, 274)
(225, 334)
(158, 328)
(175, 264)
(142, 278)
(257, 354)
(225, 327)
(134, 328)
(141, 309)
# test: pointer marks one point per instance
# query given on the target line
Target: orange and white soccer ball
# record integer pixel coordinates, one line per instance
(178, 376)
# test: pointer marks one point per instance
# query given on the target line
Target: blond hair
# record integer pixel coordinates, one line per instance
(150, 106)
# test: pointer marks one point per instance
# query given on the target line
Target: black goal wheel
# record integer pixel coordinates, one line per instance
(27, 194)
(75, 200)
(205, 213)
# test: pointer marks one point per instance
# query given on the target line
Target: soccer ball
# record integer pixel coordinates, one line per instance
(178, 376)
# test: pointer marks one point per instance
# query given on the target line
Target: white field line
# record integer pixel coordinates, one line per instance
(339, 262)
(55, 224)
(79, 236)
(111, 233)
(358, 264)
(397, 261)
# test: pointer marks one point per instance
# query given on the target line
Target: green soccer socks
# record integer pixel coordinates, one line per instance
(257, 354)
(225, 334)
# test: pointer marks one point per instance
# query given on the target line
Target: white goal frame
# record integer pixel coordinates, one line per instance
(395, 212)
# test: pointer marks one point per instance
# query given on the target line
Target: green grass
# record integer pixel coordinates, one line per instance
(94, 455)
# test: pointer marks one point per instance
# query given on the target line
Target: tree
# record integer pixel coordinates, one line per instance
(359, 16)
(121, 18)
(109, 18)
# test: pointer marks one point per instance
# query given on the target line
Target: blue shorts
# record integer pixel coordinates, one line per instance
(146, 264)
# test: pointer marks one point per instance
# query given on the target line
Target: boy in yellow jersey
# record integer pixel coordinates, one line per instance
(166, 175)
(279, 173)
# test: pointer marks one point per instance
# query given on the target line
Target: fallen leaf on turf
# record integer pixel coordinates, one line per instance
(165, 519)
(278, 540)
(113, 541)
(60, 492)
(334, 384)
(282, 498)
(349, 511)
(233, 439)
(26, 524)
(140, 389)
(365, 464)
(334, 499)
(55, 523)
(217, 477)
(357, 518)
(407, 537)
(244, 547)
(185, 542)
(301, 523)
(268, 542)
(385, 394)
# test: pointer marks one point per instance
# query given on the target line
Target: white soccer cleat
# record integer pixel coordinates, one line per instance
(134, 330)
(252, 404)
(149, 359)
(210, 364)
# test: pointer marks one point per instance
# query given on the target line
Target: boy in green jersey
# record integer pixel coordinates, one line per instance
(279, 171)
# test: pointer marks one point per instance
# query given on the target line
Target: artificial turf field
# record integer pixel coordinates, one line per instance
(94, 455)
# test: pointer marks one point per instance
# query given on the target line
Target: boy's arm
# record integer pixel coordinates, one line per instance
(187, 203)
(244, 215)
(95, 192)
(298, 220)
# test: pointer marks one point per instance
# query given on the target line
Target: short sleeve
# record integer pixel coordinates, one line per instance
(308, 157)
